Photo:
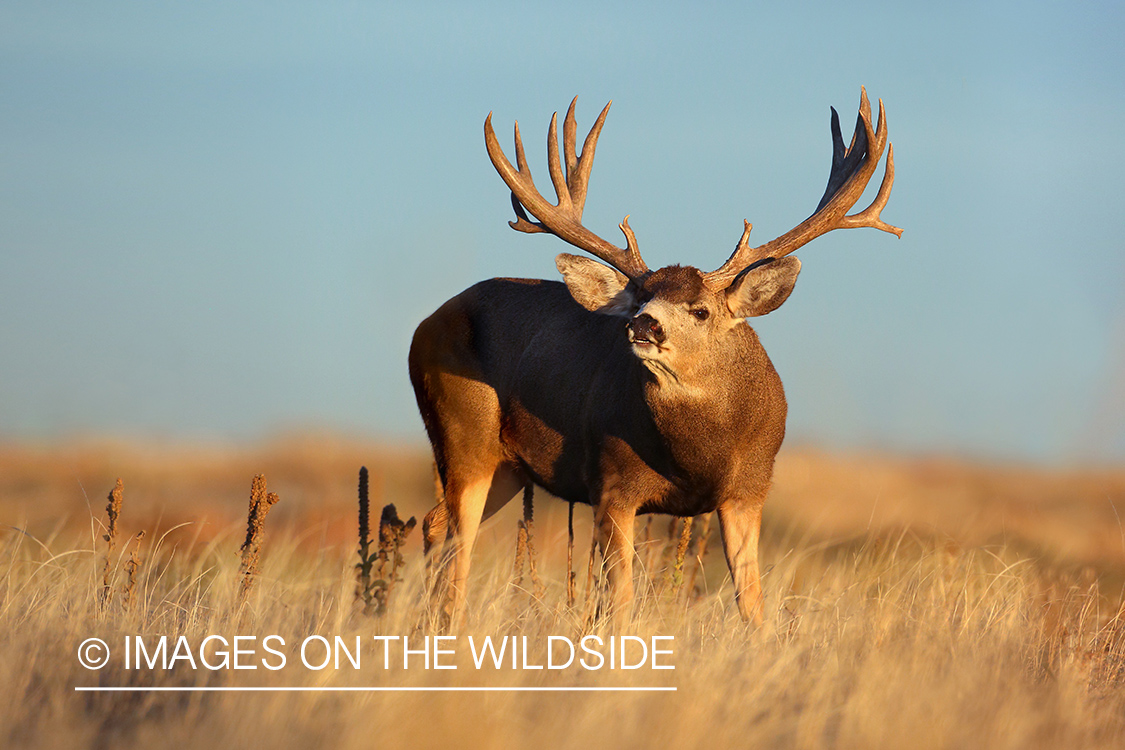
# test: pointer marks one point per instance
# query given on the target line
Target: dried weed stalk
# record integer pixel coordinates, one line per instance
(366, 562)
(676, 579)
(588, 592)
(131, 566)
(647, 555)
(392, 535)
(570, 557)
(521, 553)
(702, 538)
(664, 550)
(525, 545)
(260, 503)
(113, 510)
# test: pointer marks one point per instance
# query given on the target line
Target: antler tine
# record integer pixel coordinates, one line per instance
(579, 179)
(632, 251)
(562, 191)
(569, 133)
(852, 169)
(739, 260)
(563, 219)
(521, 159)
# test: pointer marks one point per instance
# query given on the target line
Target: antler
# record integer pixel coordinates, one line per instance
(563, 219)
(852, 169)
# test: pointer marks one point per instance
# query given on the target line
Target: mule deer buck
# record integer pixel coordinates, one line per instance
(631, 390)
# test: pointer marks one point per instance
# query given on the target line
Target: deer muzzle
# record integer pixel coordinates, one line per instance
(645, 330)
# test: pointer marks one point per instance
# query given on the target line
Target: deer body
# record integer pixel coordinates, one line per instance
(564, 421)
(633, 391)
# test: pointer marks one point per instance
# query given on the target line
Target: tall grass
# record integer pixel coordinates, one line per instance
(886, 640)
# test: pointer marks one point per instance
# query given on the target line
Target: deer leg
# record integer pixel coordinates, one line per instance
(434, 524)
(466, 505)
(740, 522)
(615, 538)
(506, 482)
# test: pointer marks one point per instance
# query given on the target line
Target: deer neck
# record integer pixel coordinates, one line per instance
(709, 403)
(686, 405)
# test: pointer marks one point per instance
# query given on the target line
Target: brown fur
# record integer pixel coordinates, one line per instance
(675, 283)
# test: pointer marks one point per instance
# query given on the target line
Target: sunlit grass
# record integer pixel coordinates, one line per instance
(878, 640)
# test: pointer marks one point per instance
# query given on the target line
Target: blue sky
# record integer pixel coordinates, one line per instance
(224, 220)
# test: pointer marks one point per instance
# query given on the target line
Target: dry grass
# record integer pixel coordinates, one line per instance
(889, 622)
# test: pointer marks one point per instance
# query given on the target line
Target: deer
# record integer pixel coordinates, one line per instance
(631, 390)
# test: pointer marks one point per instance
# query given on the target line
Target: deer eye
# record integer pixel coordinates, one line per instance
(700, 313)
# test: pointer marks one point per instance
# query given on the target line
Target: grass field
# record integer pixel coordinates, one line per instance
(908, 603)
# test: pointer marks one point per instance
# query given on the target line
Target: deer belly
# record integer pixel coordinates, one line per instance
(544, 451)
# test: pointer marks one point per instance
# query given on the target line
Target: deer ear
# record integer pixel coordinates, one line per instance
(595, 286)
(762, 290)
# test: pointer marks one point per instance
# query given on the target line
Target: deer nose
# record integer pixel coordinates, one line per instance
(647, 328)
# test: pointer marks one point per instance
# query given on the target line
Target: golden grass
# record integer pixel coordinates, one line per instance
(879, 631)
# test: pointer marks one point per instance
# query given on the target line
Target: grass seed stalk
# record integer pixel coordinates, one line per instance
(392, 535)
(260, 503)
(113, 511)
